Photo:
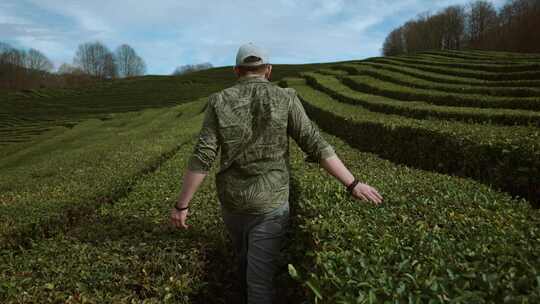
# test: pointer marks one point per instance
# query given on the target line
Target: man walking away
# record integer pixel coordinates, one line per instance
(251, 122)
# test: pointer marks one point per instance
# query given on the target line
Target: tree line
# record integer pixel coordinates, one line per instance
(478, 25)
(189, 68)
(22, 69)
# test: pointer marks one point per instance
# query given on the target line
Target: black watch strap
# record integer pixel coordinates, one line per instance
(352, 185)
(180, 209)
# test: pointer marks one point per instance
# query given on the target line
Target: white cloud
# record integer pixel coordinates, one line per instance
(168, 33)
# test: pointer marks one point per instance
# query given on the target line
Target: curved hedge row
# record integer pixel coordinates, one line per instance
(476, 60)
(436, 238)
(51, 185)
(485, 67)
(504, 157)
(480, 60)
(124, 252)
(505, 55)
(417, 82)
(469, 56)
(418, 109)
(332, 72)
(378, 87)
(443, 78)
(463, 72)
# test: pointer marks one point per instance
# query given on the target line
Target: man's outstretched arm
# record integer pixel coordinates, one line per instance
(336, 168)
(308, 137)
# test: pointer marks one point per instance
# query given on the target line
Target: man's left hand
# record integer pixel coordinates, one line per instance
(178, 218)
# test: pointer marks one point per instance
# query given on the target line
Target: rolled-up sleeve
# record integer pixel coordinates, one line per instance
(206, 148)
(305, 132)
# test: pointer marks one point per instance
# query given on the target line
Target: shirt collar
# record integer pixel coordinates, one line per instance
(252, 78)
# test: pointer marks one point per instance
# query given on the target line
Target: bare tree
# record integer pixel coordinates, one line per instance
(482, 19)
(434, 32)
(412, 36)
(65, 68)
(95, 59)
(128, 62)
(14, 57)
(35, 60)
(518, 21)
(453, 27)
(20, 69)
(13, 74)
(109, 66)
(394, 44)
(139, 67)
(4, 50)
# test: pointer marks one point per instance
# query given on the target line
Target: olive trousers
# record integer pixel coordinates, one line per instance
(258, 241)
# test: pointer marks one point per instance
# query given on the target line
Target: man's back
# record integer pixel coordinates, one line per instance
(252, 127)
(250, 123)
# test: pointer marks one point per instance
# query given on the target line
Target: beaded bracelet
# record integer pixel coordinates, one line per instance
(350, 187)
(180, 209)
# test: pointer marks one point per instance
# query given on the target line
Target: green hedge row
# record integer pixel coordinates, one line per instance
(442, 78)
(504, 157)
(124, 252)
(435, 239)
(332, 86)
(332, 72)
(379, 87)
(50, 185)
(417, 82)
(480, 67)
(476, 60)
(505, 55)
(451, 55)
(531, 75)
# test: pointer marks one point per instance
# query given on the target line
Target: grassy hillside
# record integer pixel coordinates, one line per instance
(28, 113)
(84, 209)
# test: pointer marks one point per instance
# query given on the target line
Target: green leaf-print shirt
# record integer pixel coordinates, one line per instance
(250, 123)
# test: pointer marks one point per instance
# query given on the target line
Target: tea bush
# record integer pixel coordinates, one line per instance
(435, 238)
(504, 157)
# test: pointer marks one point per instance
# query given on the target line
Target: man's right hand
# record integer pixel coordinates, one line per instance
(367, 193)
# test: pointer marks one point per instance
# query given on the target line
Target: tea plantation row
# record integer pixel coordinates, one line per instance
(51, 184)
(505, 157)
(445, 78)
(416, 82)
(435, 239)
(417, 109)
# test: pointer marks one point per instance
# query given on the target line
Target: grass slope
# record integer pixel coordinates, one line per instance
(84, 208)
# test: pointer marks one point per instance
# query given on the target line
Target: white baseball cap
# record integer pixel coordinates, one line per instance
(247, 50)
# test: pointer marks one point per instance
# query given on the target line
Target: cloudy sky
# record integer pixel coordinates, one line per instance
(168, 33)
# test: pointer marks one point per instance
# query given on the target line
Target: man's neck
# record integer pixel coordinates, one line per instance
(252, 76)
